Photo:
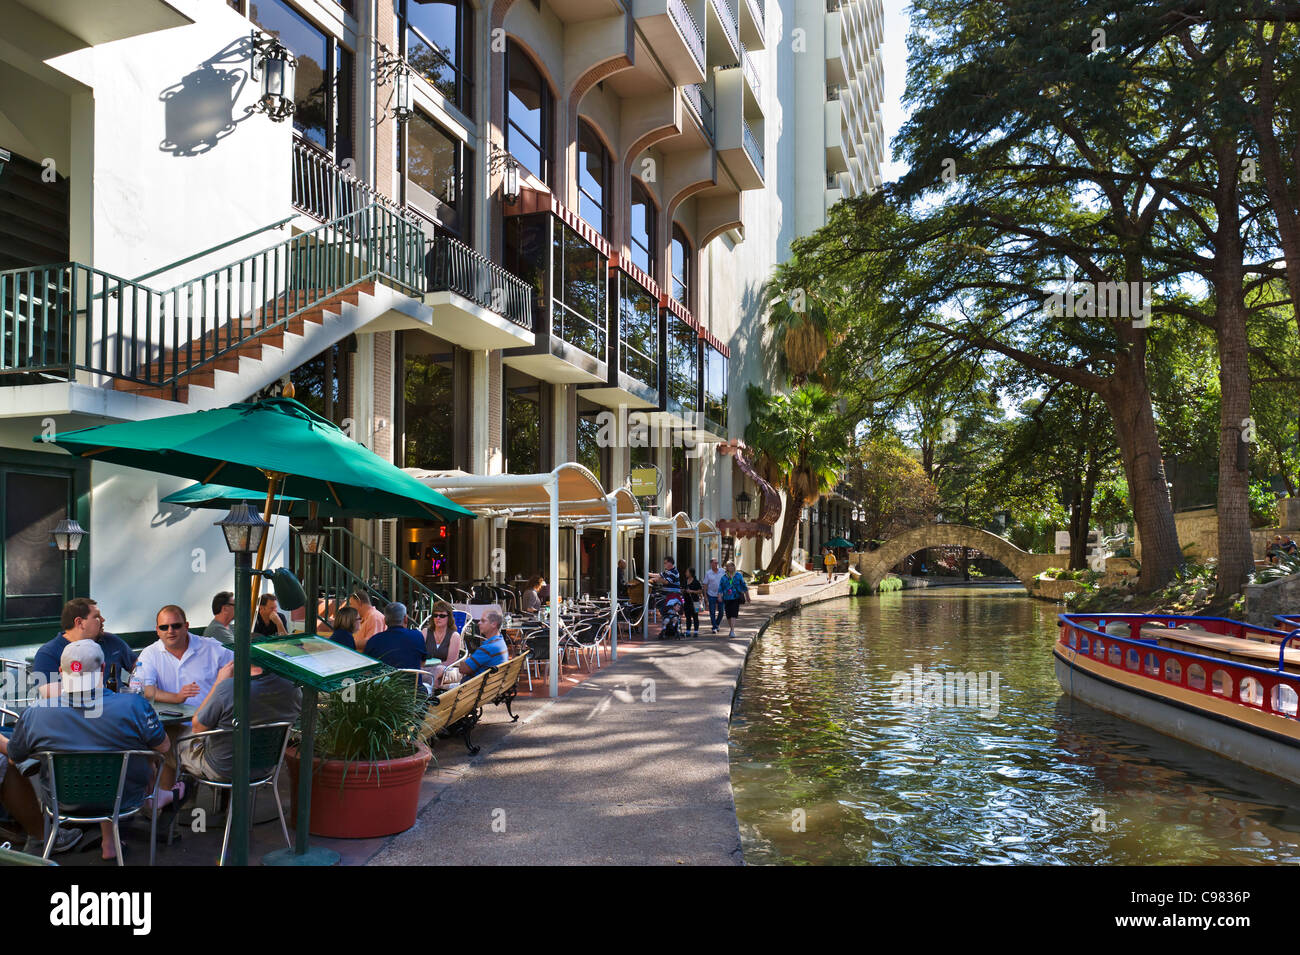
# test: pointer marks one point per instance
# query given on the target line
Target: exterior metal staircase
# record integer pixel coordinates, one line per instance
(59, 322)
(349, 564)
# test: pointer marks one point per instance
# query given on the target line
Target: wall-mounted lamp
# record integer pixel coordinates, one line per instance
(391, 68)
(277, 68)
(500, 159)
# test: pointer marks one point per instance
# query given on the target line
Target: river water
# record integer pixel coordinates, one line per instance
(843, 751)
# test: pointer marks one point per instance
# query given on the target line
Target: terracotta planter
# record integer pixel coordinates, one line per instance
(362, 800)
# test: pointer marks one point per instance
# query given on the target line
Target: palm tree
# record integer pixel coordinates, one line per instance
(802, 332)
(800, 442)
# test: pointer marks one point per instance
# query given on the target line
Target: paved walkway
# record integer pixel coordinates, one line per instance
(628, 767)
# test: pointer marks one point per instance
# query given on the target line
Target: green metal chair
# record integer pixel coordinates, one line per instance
(268, 742)
(92, 783)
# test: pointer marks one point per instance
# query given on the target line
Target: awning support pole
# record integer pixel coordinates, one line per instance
(645, 576)
(613, 578)
(553, 492)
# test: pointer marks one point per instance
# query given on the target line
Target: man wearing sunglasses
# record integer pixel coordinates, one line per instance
(181, 666)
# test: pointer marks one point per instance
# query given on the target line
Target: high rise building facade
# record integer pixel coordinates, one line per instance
(481, 233)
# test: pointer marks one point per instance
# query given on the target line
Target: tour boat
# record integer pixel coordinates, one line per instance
(1228, 686)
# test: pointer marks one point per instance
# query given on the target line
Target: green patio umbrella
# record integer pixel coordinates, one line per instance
(224, 497)
(284, 446)
(838, 542)
(277, 444)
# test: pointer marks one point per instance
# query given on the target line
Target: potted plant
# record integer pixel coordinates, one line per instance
(369, 760)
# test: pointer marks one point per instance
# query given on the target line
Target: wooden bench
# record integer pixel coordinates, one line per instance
(457, 711)
(1233, 649)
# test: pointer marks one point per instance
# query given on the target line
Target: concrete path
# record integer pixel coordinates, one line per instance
(630, 767)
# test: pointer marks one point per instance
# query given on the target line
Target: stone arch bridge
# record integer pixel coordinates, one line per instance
(873, 565)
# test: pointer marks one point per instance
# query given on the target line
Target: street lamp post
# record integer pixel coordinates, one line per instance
(312, 539)
(67, 536)
(244, 531)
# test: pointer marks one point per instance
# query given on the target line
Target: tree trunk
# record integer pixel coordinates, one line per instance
(1236, 553)
(1129, 400)
(780, 562)
(1078, 529)
(1090, 476)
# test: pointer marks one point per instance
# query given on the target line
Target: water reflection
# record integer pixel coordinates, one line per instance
(820, 742)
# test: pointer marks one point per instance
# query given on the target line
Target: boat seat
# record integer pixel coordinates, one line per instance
(1256, 652)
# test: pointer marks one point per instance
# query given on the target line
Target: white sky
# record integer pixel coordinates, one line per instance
(897, 22)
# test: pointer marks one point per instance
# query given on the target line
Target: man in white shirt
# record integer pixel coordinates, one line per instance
(711, 578)
(180, 667)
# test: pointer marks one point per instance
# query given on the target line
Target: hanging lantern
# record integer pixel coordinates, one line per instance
(277, 68)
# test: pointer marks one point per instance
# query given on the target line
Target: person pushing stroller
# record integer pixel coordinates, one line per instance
(670, 600)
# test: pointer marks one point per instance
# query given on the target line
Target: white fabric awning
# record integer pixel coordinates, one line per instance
(525, 496)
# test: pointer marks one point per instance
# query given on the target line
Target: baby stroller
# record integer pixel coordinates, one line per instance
(670, 606)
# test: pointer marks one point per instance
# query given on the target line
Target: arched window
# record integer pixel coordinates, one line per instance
(682, 266)
(593, 179)
(530, 112)
(642, 215)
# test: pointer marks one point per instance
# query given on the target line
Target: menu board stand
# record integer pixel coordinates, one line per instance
(318, 666)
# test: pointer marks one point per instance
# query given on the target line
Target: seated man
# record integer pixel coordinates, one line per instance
(271, 699)
(223, 615)
(179, 668)
(270, 622)
(493, 651)
(399, 646)
(86, 717)
(81, 620)
(369, 620)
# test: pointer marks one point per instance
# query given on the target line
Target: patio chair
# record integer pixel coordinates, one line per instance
(630, 614)
(8, 716)
(538, 642)
(87, 787)
(506, 598)
(14, 680)
(462, 619)
(265, 757)
(583, 640)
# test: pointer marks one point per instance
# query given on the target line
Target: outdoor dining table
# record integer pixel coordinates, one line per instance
(170, 713)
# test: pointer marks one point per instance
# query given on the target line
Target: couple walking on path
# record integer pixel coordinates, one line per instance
(726, 591)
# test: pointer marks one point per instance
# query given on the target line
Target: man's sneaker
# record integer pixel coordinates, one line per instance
(66, 839)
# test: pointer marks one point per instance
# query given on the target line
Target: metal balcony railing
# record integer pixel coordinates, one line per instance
(455, 267)
(753, 149)
(751, 74)
(727, 17)
(58, 320)
(325, 190)
(681, 15)
(699, 102)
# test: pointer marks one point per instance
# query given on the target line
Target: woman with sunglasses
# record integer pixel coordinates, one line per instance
(441, 641)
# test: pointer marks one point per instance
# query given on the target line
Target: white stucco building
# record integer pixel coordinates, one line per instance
(664, 163)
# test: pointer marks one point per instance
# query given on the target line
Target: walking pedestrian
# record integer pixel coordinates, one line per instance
(692, 590)
(734, 592)
(711, 578)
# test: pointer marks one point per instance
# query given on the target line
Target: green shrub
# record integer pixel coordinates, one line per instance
(890, 584)
(371, 721)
